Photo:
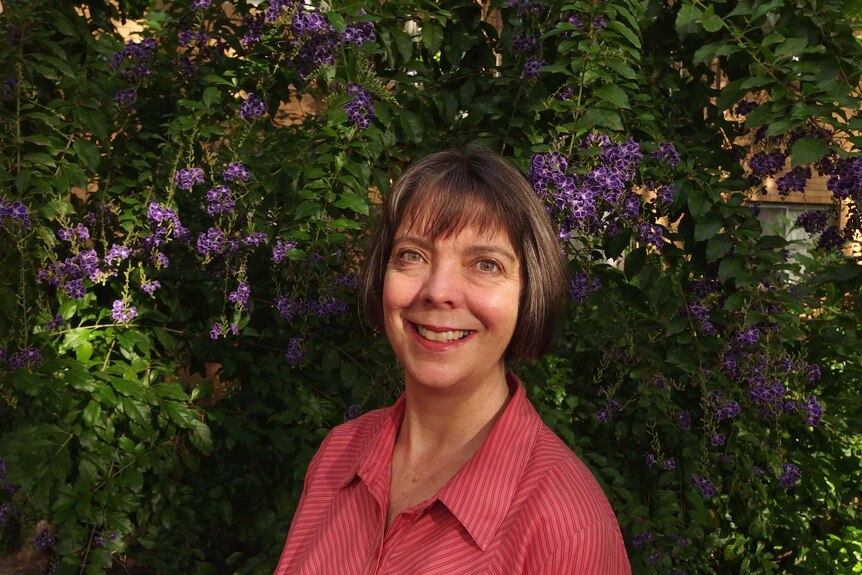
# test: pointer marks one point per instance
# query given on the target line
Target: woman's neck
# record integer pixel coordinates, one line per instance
(451, 420)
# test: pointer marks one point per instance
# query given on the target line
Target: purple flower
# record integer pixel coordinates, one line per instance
(651, 234)
(236, 171)
(813, 411)
(126, 98)
(201, 4)
(577, 21)
(650, 460)
(665, 194)
(744, 107)
(79, 232)
(669, 463)
(220, 200)
(813, 373)
(186, 178)
(280, 249)
(211, 242)
(252, 107)
(666, 152)
(603, 415)
(122, 312)
(793, 181)
(525, 43)
(116, 253)
(15, 212)
(240, 296)
(216, 331)
(718, 439)
(790, 475)
(684, 420)
(748, 336)
(294, 354)
(255, 239)
(599, 23)
(582, 286)
(43, 540)
(352, 412)
(532, 67)
(75, 289)
(150, 286)
(56, 323)
(359, 109)
(26, 357)
(707, 489)
(359, 33)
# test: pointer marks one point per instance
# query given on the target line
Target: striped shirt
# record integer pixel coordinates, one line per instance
(522, 504)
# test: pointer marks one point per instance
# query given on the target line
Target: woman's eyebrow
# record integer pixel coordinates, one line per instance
(484, 249)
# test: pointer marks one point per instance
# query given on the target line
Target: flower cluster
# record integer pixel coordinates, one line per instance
(359, 109)
(666, 152)
(526, 43)
(14, 212)
(790, 475)
(211, 242)
(326, 306)
(187, 178)
(78, 233)
(707, 489)
(122, 312)
(280, 249)
(44, 540)
(602, 200)
(27, 357)
(236, 171)
(220, 200)
(252, 107)
(532, 68)
(359, 33)
(295, 353)
(240, 296)
(581, 286)
(525, 7)
(793, 181)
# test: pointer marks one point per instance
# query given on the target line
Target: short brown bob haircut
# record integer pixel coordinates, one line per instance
(443, 193)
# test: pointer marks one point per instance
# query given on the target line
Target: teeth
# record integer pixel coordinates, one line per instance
(442, 335)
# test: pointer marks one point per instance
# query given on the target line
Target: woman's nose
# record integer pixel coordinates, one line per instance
(443, 284)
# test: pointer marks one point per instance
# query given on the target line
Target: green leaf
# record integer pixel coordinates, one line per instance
(404, 43)
(353, 202)
(201, 436)
(211, 96)
(790, 47)
(710, 21)
(88, 153)
(717, 247)
(305, 210)
(432, 37)
(614, 95)
(707, 227)
(128, 388)
(808, 150)
(634, 262)
(603, 117)
(83, 352)
(729, 268)
(92, 414)
(626, 32)
(687, 15)
(412, 125)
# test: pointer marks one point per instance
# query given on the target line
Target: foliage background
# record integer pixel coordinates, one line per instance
(137, 435)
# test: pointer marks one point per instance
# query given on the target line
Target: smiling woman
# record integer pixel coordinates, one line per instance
(460, 476)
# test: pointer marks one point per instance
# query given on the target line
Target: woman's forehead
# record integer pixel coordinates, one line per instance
(442, 215)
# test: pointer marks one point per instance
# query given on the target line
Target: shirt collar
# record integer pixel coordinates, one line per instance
(480, 493)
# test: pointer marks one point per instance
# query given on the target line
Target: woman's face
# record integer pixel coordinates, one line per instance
(450, 306)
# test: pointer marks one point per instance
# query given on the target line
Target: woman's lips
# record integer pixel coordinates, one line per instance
(439, 338)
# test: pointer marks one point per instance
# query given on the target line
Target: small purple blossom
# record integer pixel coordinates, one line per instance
(603, 415)
(280, 249)
(748, 336)
(651, 234)
(599, 23)
(813, 411)
(44, 541)
(707, 489)
(240, 296)
(216, 331)
(126, 98)
(718, 439)
(582, 286)
(15, 212)
(116, 254)
(201, 4)
(211, 242)
(150, 286)
(187, 178)
(666, 152)
(532, 68)
(122, 312)
(790, 475)
(236, 171)
(352, 412)
(359, 109)
(55, 323)
(295, 353)
(252, 107)
(78, 233)
(27, 357)
(669, 463)
(684, 420)
(255, 239)
(220, 200)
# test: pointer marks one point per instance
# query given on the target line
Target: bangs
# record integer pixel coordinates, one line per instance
(443, 211)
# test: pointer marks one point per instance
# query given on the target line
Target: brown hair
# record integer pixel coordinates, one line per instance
(443, 193)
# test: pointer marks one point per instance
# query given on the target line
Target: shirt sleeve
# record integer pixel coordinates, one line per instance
(597, 549)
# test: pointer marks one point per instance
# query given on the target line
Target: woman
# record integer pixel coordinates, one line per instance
(460, 476)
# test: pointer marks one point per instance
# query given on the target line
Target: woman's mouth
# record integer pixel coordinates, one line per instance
(443, 336)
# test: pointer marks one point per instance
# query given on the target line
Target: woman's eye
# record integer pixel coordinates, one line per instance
(488, 266)
(409, 256)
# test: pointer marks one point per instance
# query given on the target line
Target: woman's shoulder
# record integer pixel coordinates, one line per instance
(563, 486)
